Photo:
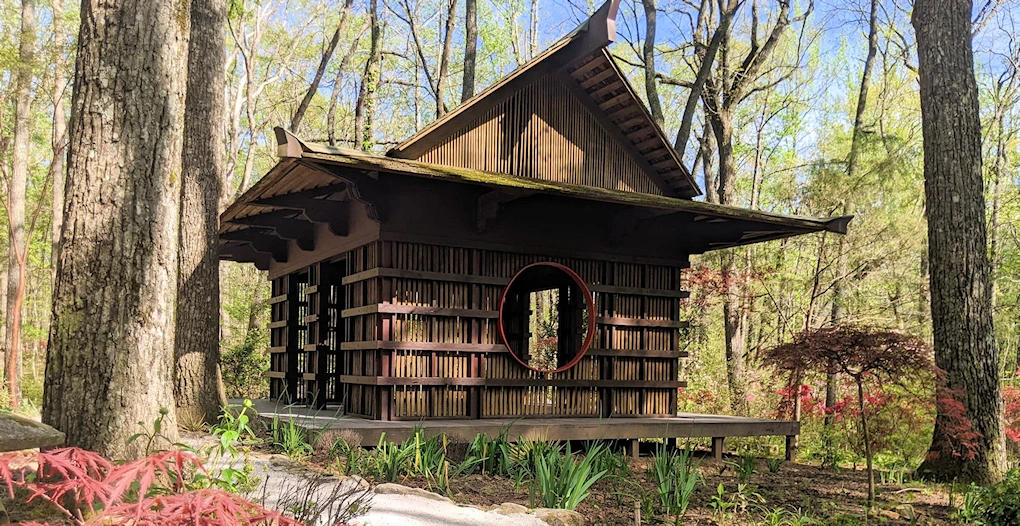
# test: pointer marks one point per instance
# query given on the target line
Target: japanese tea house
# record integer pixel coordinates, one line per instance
(391, 296)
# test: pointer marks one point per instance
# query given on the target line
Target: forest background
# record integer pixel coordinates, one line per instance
(380, 70)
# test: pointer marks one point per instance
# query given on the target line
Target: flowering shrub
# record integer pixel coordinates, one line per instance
(87, 489)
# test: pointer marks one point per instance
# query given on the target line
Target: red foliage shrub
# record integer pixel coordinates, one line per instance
(87, 489)
(1011, 410)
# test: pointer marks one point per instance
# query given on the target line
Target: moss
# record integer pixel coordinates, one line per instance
(415, 168)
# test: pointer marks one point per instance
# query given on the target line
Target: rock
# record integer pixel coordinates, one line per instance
(362, 483)
(554, 517)
(885, 514)
(17, 433)
(510, 508)
(396, 489)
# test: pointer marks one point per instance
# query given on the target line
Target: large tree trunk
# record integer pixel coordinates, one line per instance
(470, 48)
(110, 357)
(16, 188)
(198, 387)
(444, 58)
(960, 289)
(59, 139)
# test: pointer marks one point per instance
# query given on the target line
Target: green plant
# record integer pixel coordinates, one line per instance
(390, 460)
(233, 428)
(745, 467)
(719, 503)
(676, 477)
(561, 479)
(155, 435)
(774, 464)
(996, 505)
(289, 438)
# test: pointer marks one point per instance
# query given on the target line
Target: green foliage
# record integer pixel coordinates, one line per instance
(289, 438)
(561, 479)
(996, 505)
(232, 429)
(774, 464)
(676, 477)
(245, 364)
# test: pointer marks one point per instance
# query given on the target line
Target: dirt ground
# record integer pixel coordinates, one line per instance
(827, 496)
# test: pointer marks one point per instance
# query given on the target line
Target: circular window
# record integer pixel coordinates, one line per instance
(547, 317)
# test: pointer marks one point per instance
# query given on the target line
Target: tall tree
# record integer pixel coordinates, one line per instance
(722, 94)
(470, 48)
(365, 106)
(17, 185)
(198, 388)
(59, 136)
(648, 56)
(957, 249)
(327, 54)
(838, 312)
(110, 354)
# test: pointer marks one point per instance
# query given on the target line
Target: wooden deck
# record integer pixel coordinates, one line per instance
(684, 425)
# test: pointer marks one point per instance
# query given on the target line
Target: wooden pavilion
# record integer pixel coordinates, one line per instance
(403, 285)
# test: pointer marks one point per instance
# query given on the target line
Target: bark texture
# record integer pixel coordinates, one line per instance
(110, 355)
(957, 250)
(198, 387)
(470, 48)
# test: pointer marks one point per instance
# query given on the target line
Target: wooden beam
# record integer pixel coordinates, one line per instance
(261, 241)
(361, 186)
(316, 206)
(490, 203)
(245, 253)
(287, 225)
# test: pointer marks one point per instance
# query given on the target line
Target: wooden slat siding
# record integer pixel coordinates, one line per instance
(543, 131)
(407, 354)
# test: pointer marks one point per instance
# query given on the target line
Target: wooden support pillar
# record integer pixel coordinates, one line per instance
(791, 447)
(633, 448)
(718, 447)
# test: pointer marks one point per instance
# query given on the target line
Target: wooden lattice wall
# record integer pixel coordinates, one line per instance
(412, 334)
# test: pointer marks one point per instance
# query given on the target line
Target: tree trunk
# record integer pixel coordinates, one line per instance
(838, 291)
(369, 83)
(198, 386)
(59, 138)
(867, 442)
(648, 56)
(110, 356)
(16, 189)
(313, 88)
(444, 58)
(470, 48)
(335, 91)
(957, 249)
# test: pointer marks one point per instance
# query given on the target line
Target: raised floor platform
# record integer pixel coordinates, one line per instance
(684, 425)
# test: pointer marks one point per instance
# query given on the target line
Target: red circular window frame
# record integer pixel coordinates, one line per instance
(589, 306)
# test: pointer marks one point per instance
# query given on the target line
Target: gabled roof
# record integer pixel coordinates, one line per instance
(581, 62)
(307, 176)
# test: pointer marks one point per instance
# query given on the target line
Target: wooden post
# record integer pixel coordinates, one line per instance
(791, 447)
(633, 448)
(718, 447)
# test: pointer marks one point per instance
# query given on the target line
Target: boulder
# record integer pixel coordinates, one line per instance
(17, 433)
(389, 488)
(554, 517)
(510, 508)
